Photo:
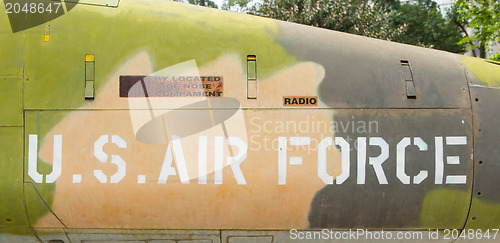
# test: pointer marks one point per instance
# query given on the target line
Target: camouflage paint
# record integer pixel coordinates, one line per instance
(487, 72)
(142, 37)
(11, 200)
(165, 31)
(12, 58)
(12, 212)
(344, 206)
(204, 206)
(442, 204)
(11, 101)
(362, 73)
(485, 102)
(364, 79)
(170, 32)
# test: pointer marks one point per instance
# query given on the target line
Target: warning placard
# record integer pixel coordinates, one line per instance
(171, 86)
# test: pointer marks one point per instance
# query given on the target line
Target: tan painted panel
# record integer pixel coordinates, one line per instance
(82, 201)
(92, 192)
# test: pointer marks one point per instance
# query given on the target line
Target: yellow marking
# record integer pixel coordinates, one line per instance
(251, 58)
(89, 58)
(406, 63)
(46, 34)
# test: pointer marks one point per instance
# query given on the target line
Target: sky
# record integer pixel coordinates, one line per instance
(219, 3)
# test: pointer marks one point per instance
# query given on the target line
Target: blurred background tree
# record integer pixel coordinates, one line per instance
(206, 3)
(483, 17)
(418, 22)
(426, 26)
(415, 22)
(353, 16)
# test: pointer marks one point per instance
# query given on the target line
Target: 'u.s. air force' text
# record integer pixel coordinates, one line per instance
(175, 150)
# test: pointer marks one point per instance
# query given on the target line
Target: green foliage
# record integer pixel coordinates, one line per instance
(427, 27)
(353, 16)
(495, 57)
(484, 17)
(417, 23)
(237, 5)
(207, 3)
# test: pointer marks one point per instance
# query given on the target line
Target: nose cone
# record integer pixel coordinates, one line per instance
(482, 72)
(484, 85)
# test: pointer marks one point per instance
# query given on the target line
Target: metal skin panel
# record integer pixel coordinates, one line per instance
(12, 211)
(18, 235)
(161, 36)
(52, 235)
(438, 78)
(86, 203)
(304, 236)
(484, 80)
(480, 72)
(149, 236)
(485, 208)
(484, 216)
(264, 187)
(127, 168)
(107, 3)
(358, 204)
(11, 61)
(11, 101)
(366, 73)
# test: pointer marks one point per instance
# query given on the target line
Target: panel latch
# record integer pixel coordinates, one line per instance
(251, 77)
(411, 92)
(89, 76)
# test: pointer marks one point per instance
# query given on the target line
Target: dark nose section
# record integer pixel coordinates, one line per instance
(484, 85)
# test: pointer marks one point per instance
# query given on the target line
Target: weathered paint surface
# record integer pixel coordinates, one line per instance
(339, 206)
(113, 154)
(483, 214)
(11, 200)
(170, 32)
(487, 72)
(11, 63)
(204, 206)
